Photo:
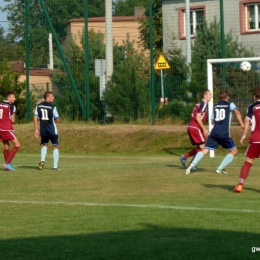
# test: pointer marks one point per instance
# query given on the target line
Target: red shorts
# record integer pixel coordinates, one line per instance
(253, 150)
(196, 135)
(7, 136)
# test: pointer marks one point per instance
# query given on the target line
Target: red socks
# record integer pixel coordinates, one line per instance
(193, 152)
(6, 153)
(244, 172)
(11, 155)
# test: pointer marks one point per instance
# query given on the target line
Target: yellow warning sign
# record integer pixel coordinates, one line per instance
(162, 64)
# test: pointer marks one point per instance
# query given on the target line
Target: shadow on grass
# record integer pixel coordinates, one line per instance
(154, 242)
(228, 187)
(177, 151)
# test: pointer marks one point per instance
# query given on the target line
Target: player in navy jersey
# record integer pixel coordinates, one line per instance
(196, 130)
(7, 118)
(253, 149)
(48, 115)
(220, 133)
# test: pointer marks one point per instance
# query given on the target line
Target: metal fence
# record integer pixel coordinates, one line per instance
(123, 62)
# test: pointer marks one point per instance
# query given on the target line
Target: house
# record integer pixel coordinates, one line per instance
(240, 17)
(123, 28)
(39, 79)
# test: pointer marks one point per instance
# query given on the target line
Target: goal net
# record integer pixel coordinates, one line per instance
(226, 74)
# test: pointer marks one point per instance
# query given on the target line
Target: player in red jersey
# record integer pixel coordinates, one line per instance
(196, 130)
(253, 149)
(7, 118)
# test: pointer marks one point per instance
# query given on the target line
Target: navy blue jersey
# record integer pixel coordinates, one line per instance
(222, 114)
(47, 113)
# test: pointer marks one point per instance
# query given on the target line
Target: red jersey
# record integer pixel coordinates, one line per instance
(7, 110)
(201, 109)
(253, 113)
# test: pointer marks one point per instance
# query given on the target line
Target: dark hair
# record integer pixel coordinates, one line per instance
(223, 94)
(204, 92)
(9, 93)
(257, 92)
(46, 94)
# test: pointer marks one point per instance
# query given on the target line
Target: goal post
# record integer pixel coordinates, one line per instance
(210, 63)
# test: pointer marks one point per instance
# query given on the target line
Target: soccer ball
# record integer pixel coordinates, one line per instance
(245, 66)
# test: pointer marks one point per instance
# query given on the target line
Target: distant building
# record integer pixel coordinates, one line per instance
(122, 27)
(240, 17)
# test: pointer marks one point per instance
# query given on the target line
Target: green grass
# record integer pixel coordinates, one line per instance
(127, 207)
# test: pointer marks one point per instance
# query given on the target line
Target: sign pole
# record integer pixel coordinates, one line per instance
(162, 88)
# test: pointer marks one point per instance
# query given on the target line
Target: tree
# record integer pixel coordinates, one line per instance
(127, 94)
(67, 101)
(157, 26)
(125, 7)
(9, 82)
(60, 12)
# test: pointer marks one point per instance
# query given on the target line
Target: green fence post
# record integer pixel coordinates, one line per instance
(47, 86)
(223, 47)
(86, 61)
(27, 63)
(151, 62)
(63, 58)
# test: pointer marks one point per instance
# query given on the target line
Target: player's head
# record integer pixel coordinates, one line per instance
(223, 95)
(207, 95)
(257, 93)
(48, 96)
(10, 96)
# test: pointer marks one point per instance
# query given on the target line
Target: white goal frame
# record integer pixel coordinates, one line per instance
(210, 83)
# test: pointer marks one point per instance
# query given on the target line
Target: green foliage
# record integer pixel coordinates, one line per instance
(125, 7)
(127, 94)
(9, 82)
(66, 99)
(157, 27)
(60, 12)
(177, 110)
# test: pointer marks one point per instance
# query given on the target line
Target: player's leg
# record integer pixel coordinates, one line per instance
(44, 150)
(252, 152)
(6, 149)
(211, 144)
(197, 138)
(228, 144)
(12, 154)
(56, 153)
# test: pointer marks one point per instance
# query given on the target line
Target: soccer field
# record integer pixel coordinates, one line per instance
(127, 207)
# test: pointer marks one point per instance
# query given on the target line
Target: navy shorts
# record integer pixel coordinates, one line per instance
(53, 138)
(212, 143)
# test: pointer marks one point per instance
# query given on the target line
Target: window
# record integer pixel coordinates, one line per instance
(197, 14)
(196, 20)
(250, 16)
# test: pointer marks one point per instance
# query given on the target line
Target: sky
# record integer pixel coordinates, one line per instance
(3, 20)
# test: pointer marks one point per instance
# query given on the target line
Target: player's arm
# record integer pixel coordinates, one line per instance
(35, 123)
(56, 115)
(13, 113)
(246, 126)
(199, 121)
(239, 117)
(13, 119)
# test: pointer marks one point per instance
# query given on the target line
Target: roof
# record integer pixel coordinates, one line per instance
(102, 19)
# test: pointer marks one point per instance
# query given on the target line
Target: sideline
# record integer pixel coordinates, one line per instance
(127, 205)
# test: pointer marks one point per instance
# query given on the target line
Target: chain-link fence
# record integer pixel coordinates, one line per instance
(96, 55)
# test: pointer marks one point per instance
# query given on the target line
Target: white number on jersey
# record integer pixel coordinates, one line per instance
(220, 114)
(1, 113)
(44, 114)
